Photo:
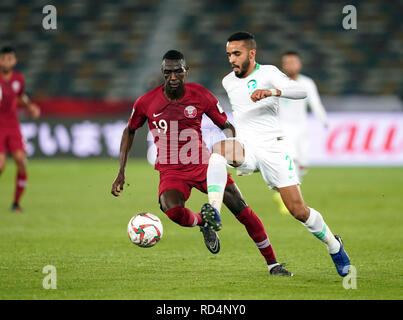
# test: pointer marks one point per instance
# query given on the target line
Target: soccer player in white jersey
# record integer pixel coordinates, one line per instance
(293, 117)
(254, 91)
(293, 113)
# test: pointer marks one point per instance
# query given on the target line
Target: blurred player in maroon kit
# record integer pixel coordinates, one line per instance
(174, 113)
(11, 140)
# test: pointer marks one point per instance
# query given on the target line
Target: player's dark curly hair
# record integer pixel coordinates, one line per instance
(241, 35)
(7, 49)
(248, 37)
(290, 53)
(173, 55)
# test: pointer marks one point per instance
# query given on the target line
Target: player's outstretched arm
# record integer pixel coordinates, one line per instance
(282, 87)
(125, 146)
(32, 108)
(260, 94)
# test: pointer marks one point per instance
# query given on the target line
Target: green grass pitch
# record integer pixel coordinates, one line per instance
(73, 223)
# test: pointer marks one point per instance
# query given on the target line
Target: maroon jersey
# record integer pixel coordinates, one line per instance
(176, 125)
(10, 90)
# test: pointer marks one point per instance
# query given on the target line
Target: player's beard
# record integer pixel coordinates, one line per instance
(174, 93)
(5, 70)
(292, 75)
(243, 69)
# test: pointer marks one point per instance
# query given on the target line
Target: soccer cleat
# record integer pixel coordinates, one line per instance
(281, 206)
(341, 259)
(280, 271)
(211, 239)
(211, 217)
(15, 207)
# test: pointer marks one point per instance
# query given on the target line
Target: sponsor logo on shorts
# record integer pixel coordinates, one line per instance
(190, 111)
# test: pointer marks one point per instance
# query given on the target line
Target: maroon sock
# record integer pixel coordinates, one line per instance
(256, 231)
(184, 217)
(21, 182)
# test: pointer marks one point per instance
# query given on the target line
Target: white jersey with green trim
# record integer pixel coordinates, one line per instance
(258, 122)
(293, 113)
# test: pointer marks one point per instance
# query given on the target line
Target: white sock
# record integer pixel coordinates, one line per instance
(216, 180)
(271, 266)
(317, 226)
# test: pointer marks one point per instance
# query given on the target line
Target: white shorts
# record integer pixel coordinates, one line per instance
(273, 160)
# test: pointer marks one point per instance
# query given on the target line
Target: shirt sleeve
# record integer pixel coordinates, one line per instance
(214, 110)
(289, 88)
(137, 118)
(224, 84)
(314, 102)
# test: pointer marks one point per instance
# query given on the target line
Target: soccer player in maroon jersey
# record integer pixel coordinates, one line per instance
(174, 112)
(11, 140)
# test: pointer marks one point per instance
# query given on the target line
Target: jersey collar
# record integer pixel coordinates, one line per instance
(256, 68)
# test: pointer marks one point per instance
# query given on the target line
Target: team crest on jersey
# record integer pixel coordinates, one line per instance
(252, 84)
(190, 111)
(16, 86)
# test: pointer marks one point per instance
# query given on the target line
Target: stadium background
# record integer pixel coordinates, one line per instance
(103, 56)
(86, 74)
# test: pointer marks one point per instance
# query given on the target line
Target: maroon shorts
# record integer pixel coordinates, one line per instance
(184, 181)
(11, 140)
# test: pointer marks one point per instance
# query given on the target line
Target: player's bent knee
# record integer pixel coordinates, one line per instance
(20, 162)
(171, 199)
(232, 150)
(219, 148)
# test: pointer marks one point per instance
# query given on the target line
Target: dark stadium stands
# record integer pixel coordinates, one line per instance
(100, 47)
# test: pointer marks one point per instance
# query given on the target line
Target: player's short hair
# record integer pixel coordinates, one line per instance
(290, 53)
(247, 37)
(7, 49)
(173, 55)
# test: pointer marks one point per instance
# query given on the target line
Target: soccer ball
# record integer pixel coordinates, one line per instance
(145, 230)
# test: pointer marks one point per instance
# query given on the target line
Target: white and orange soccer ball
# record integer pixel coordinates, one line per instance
(145, 230)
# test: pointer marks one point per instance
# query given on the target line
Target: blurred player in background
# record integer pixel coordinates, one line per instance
(174, 113)
(253, 91)
(11, 140)
(293, 116)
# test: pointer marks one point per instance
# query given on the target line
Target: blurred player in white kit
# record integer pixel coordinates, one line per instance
(293, 113)
(293, 117)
